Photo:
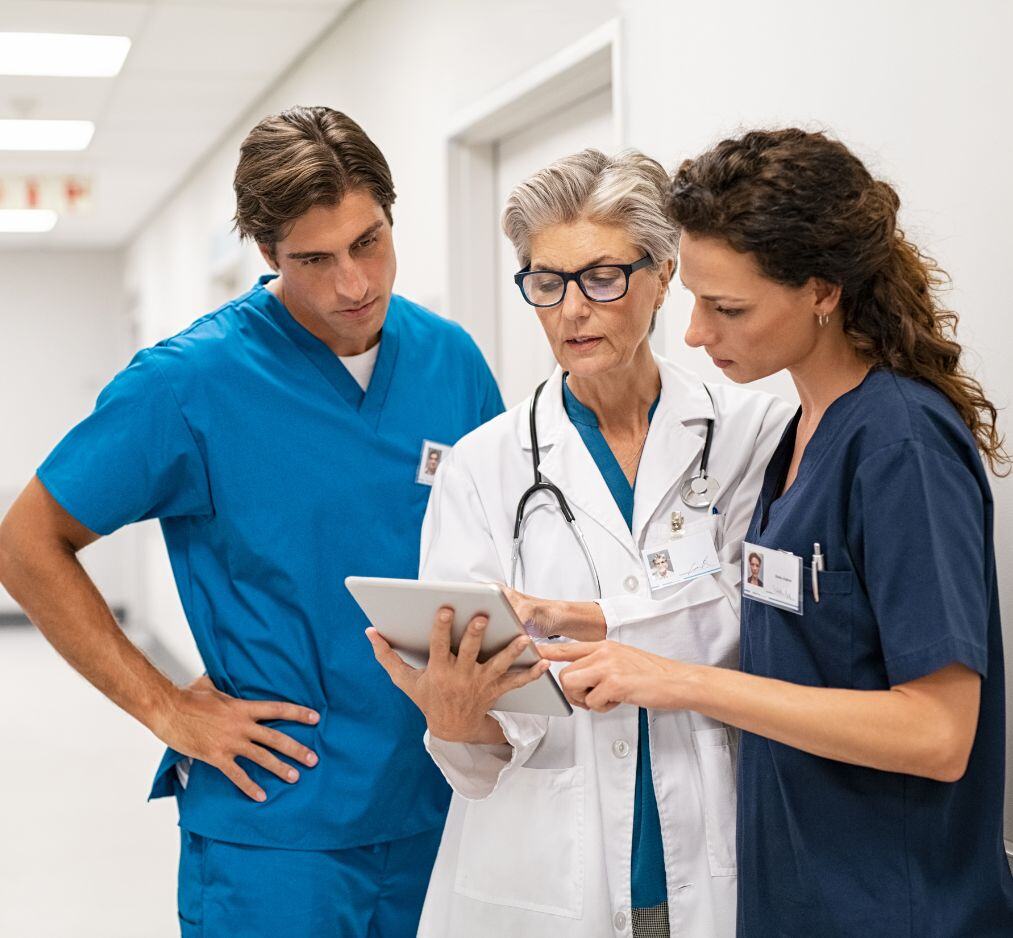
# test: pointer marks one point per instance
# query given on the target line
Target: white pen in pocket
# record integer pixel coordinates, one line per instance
(818, 564)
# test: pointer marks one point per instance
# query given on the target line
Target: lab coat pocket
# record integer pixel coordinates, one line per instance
(717, 777)
(523, 846)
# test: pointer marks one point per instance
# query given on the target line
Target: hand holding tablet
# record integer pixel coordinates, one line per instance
(456, 669)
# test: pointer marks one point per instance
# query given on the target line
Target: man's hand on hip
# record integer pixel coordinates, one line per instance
(215, 728)
(39, 542)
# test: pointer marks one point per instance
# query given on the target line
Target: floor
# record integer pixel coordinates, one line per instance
(82, 854)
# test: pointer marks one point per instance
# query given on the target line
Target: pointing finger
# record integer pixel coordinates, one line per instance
(568, 651)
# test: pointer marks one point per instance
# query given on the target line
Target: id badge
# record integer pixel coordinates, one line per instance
(683, 558)
(773, 577)
(429, 461)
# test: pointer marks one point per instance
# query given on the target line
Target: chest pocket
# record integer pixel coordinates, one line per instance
(827, 624)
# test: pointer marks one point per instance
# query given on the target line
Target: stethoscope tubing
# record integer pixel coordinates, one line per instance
(541, 485)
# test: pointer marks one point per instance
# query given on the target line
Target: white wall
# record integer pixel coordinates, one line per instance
(64, 333)
(922, 90)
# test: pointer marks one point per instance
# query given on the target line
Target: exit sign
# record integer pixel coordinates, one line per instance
(67, 195)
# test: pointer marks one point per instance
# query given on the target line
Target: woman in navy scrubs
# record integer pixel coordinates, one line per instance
(872, 758)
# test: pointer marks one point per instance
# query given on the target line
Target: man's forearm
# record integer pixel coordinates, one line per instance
(49, 583)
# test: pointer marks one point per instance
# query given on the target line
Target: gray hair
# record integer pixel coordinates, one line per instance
(628, 190)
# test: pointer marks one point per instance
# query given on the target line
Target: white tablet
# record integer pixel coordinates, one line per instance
(403, 612)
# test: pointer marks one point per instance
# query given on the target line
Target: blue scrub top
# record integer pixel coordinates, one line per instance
(647, 875)
(892, 488)
(274, 477)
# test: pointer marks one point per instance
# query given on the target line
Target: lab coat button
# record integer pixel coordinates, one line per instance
(631, 583)
(620, 749)
(620, 921)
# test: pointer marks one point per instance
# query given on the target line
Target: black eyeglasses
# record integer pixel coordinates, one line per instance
(600, 283)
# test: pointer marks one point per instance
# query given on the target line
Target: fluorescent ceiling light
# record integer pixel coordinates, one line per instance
(45, 135)
(26, 220)
(62, 54)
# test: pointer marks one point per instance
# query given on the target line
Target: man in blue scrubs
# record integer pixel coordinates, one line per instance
(281, 441)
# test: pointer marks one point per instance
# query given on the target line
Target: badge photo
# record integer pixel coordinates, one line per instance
(680, 559)
(773, 577)
(429, 461)
(658, 566)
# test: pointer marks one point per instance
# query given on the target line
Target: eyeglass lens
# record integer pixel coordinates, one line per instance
(544, 288)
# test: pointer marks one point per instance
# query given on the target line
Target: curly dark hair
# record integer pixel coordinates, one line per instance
(803, 205)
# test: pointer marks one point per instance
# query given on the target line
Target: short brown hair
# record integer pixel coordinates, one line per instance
(302, 157)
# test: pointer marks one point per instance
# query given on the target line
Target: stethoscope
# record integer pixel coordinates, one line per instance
(700, 491)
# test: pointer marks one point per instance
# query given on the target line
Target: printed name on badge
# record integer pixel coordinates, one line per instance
(429, 461)
(684, 558)
(773, 577)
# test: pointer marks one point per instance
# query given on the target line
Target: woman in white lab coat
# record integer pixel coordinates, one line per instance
(553, 829)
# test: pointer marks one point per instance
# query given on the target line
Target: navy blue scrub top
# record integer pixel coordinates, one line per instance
(274, 477)
(647, 875)
(892, 488)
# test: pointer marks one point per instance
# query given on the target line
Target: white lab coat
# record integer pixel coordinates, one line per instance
(539, 835)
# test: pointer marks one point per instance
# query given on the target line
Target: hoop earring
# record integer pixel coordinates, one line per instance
(823, 319)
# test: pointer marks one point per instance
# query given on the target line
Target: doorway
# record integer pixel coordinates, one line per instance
(566, 104)
(524, 358)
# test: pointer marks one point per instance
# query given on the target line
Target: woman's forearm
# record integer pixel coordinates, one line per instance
(923, 728)
(583, 621)
(491, 733)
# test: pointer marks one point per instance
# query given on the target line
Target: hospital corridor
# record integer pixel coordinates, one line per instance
(505, 469)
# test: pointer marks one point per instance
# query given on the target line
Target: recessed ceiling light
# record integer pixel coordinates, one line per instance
(45, 135)
(26, 220)
(62, 54)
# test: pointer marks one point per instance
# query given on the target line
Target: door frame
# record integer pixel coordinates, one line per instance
(590, 64)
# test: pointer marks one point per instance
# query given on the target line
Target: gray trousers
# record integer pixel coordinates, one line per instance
(650, 923)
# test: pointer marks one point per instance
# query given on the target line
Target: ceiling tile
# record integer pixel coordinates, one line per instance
(53, 98)
(74, 16)
(178, 101)
(224, 40)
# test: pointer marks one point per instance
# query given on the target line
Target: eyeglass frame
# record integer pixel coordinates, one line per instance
(627, 269)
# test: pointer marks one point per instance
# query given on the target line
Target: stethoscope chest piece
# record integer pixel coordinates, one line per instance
(700, 491)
